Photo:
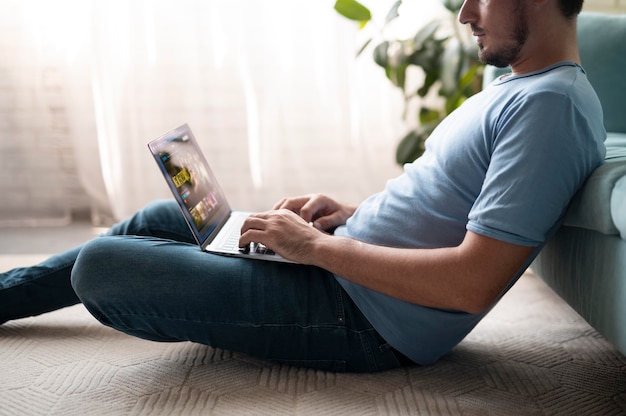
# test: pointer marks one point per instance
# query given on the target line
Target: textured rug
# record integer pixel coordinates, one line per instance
(532, 355)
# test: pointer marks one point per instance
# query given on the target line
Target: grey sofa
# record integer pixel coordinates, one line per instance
(585, 261)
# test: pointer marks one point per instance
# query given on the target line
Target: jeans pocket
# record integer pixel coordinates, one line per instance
(381, 355)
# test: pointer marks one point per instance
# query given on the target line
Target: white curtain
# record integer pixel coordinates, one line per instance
(271, 89)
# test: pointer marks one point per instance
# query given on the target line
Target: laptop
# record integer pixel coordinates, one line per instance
(202, 202)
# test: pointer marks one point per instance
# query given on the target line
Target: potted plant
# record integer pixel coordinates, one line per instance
(441, 50)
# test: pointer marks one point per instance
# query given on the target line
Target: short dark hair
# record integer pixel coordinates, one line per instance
(570, 8)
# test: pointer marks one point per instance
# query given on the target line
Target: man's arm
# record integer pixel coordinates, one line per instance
(466, 278)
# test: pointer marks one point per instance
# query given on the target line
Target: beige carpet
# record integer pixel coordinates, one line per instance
(531, 356)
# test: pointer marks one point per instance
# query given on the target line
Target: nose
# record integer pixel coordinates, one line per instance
(467, 14)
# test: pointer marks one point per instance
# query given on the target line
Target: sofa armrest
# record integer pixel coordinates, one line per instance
(600, 205)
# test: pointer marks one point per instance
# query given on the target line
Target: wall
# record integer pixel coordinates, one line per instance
(609, 6)
(38, 175)
(38, 180)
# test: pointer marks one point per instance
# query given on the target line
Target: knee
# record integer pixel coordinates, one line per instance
(94, 267)
(160, 208)
(161, 218)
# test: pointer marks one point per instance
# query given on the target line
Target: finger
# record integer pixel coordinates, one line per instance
(253, 222)
(279, 204)
(293, 204)
(313, 209)
(250, 236)
(327, 222)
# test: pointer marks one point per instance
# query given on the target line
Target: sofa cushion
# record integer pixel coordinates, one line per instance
(600, 203)
(618, 206)
(603, 55)
(615, 145)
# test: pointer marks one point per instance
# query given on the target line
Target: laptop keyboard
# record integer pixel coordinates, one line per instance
(232, 242)
(256, 248)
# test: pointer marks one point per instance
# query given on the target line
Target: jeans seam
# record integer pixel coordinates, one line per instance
(238, 323)
(368, 348)
(341, 313)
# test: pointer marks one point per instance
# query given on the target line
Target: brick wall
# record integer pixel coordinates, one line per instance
(38, 177)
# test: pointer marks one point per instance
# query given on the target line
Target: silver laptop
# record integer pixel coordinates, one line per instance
(202, 202)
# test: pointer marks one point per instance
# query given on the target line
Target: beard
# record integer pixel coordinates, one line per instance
(508, 53)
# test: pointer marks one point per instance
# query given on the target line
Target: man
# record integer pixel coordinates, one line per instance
(399, 280)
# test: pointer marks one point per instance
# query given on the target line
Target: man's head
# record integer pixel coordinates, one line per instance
(502, 27)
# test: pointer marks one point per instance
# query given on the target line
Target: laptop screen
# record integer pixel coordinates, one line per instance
(191, 180)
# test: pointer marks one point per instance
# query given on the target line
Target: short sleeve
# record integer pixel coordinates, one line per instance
(542, 151)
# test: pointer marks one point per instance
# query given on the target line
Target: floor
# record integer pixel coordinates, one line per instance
(532, 355)
(20, 246)
(44, 240)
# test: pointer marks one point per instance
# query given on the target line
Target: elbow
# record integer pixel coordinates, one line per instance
(477, 308)
(477, 299)
(477, 302)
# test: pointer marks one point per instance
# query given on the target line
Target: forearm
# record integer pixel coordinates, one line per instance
(453, 278)
(407, 274)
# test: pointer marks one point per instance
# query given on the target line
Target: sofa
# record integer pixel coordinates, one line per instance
(585, 261)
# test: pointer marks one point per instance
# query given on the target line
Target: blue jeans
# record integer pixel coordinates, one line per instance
(148, 278)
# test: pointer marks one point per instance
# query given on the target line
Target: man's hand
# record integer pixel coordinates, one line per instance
(283, 232)
(321, 211)
(295, 224)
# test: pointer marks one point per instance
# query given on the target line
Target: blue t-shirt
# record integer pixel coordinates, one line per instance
(504, 165)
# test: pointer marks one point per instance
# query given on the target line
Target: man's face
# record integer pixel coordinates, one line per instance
(500, 28)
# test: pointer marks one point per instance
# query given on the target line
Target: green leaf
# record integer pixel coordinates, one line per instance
(453, 101)
(353, 10)
(393, 12)
(425, 33)
(452, 5)
(427, 49)
(428, 115)
(380, 54)
(409, 148)
(397, 75)
(412, 145)
(431, 78)
(468, 78)
(451, 61)
(362, 48)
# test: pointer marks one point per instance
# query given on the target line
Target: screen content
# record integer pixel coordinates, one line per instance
(182, 162)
